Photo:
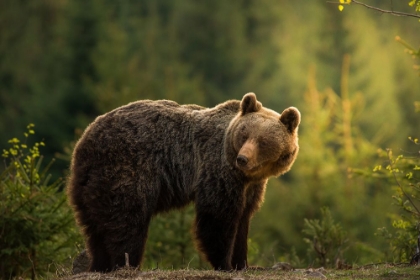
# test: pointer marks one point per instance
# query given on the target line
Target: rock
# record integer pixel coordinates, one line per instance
(282, 266)
(81, 263)
(316, 273)
(321, 269)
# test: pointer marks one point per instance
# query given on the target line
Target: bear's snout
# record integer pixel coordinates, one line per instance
(247, 156)
(241, 161)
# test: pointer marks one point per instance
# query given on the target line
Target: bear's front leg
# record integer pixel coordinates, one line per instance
(215, 233)
(240, 249)
(254, 196)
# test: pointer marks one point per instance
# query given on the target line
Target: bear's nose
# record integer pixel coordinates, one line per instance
(241, 160)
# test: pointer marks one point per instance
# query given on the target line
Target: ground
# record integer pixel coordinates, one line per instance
(380, 271)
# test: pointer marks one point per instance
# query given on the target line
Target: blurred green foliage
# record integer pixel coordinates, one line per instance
(37, 229)
(64, 62)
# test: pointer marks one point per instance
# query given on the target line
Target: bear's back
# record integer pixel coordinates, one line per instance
(160, 141)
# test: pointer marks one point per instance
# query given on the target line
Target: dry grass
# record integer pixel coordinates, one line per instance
(187, 275)
(384, 271)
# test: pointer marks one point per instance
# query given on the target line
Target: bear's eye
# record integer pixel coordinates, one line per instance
(263, 144)
(244, 137)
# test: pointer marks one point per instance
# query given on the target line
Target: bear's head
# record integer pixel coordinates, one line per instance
(260, 142)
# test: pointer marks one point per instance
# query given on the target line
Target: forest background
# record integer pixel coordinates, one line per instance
(64, 62)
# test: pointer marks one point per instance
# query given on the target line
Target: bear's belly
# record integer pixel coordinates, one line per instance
(172, 198)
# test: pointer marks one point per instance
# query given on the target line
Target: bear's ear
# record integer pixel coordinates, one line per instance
(290, 118)
(250, 104)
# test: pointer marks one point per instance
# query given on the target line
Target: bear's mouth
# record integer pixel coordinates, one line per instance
(252, 171)
(248, 168)
(254, 168)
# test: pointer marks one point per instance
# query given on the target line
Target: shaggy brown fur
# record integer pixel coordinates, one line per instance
(152, 156)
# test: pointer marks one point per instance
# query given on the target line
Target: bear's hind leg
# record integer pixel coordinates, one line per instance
(100, 259)
(131, 241)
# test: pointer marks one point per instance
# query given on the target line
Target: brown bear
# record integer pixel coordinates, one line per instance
(152, 156)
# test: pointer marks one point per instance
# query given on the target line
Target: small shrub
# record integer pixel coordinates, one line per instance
(36, 225)
(170, 242)
(327, 239)
(403, 172)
